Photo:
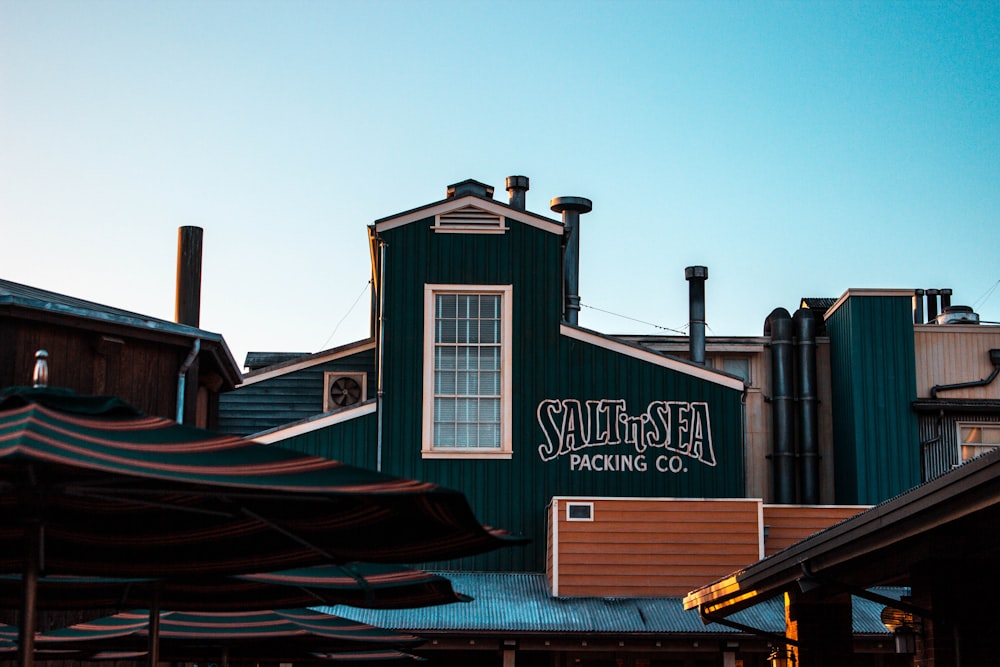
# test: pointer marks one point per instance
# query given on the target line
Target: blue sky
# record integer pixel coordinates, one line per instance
(795, 148)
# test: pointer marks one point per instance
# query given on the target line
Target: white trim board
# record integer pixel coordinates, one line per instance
(651, 357)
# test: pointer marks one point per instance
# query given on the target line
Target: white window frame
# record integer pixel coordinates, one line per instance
(505, 451)
(991, 442)
(575, 504)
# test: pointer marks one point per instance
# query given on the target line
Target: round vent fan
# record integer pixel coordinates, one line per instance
(345, 391)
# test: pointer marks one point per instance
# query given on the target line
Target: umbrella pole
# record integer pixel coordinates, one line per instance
(29, 579)
(154, 627)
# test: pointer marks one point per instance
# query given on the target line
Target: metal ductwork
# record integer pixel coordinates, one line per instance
(808, 402)
(187, 305)
(571, 208)
(779, 327)
(696, 277)
(517, 187)
(994, 360)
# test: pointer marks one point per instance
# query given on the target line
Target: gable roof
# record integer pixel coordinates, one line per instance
(469, 201)
(292, 362)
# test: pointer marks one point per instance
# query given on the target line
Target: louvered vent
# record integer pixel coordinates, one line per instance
(469, 219)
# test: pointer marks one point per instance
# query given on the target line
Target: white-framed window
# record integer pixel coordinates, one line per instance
(579, 511)
(977, 438)
(467, 379)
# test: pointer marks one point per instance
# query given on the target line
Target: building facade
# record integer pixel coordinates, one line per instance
(640, 467)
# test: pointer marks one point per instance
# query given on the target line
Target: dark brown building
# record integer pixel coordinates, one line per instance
(96, 349)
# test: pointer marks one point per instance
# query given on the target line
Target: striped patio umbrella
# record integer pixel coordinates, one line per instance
(367, 585)
(102, 490)
(8, 639)
(278, 635)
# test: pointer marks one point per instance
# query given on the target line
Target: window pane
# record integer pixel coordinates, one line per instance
(489, 358)
(445, 382)
(489, 384)
(445, 358)
(446, 306)
(489, 331)
(490, 306)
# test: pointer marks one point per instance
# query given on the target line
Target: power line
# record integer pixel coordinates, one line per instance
(981, 300)
(626, 317)
(349, 310)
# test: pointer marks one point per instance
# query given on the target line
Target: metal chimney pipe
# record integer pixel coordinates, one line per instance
(945, 299)
(571, 208)
(517, 186)
(918, 306)
(932, 305)
(187, 309)
(804, 328)
(696, 277)
(779, 327)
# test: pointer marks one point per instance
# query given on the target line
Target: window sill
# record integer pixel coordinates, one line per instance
(465, 454)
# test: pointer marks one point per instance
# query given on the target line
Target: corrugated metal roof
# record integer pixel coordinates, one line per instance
(520, 602)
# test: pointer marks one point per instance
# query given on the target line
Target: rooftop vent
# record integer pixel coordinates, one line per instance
(470, 187)
(958, 315)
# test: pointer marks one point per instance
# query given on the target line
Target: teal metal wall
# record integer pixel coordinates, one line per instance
(876, 446)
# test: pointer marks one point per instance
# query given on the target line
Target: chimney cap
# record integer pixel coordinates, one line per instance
(577, 204)
(518, 182)
(696, 272)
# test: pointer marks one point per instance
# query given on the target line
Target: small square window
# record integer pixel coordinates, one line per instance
(579, 511)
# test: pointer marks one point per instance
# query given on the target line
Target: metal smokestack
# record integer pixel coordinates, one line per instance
(932, 305)
(187, 309)
(517, 186)
(696, 277)
(945, 299)
(571, 208)
(918, 306)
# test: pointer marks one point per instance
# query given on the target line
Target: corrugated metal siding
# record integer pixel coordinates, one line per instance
(785, 525)
(514, 493)
(952, 354)
(522, 603)
(286, 398)
(353, 441)
(939, 440)
(874, 379)
(636, 547)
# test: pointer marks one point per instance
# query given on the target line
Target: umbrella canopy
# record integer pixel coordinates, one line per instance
(115, 493)
(368, 585)
(89, 486)
(278, 634)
